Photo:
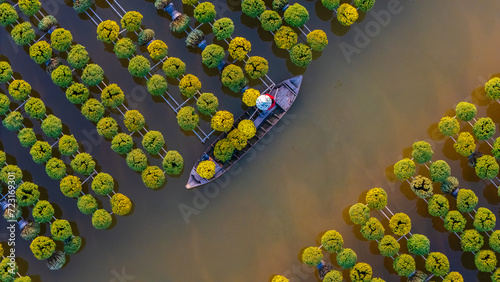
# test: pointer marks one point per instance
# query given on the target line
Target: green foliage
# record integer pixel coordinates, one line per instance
(239, 48)
(41, 152)
(224, 150)
(422, 152)
(296, 15)
(440, 171)
(496, 148)
(364, 5)
(454, 221)
(222, 121)
(134, 120)
(465, 145)
(492, 88)
(55, 168)
(93, 110)
(8, 14)
(30, 231)
(312, 256)
(153, 177)
(101, 219)
(331, 4)
(189, 2)
(484, 128)
(157, 85)
(87, 204)
(332, 241)
(137, 160)
(270, 20)
(206, 169)
(157, 50)
(388, 246)
(83, 163)
(187, 118)
(27, 194)
(212, 55)
(13, 214)
(361, 272)
(124, 48)
(449, 185)
(11, 170)
(471, 241)
(131, 21)
(437, 263)
(112, 96)
(253, 8)
(77, 93)
(68, 145)
(8, 271)
(278, 5)
(81, 6)
(120, 204)
(223, 28)
(189, 84)
(26, 137)
(145, 37)
(42, 247)
(103, 184)
(400, 224)
(496, 276)
(205, 12)
(180, 24)
(494, 241)
(233, 78)
(486, 167)
(23, 33)
(4, 104)
(92, 74)
(247, 127)
(174, 67)
(285, 37)
(60, 230)
(3, 158)
(173, 163)
(13, 121)
(301, 55)
(485, 260)
(62, 76)
(279, 278)
(122, 143)
(256, 67)
(347, 14)
(29, 7)
(107, 31)
(372, 229)
(376, 198)
(422, 187)
(72, 245)
(359, 213)
(35, 108)
(484, 220)
(238, 139)
(418, 245)
(404, 265)
(250, 97)
(46, 23)
(449, 126)
(43, 211)
(317, 39)
(466, 200)
(71, 186)
(207, 103)
(453, 277)
(139, 66)
(153, 141)
(107, 127)
(438, 205)
(19, 89)
(78, 56)
(61, 39)
(40, 52)
(346, 258)
(466, 111)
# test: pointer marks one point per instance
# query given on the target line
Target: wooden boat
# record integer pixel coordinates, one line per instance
(284, 94)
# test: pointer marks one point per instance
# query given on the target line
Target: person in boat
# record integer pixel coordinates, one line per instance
(265, 102)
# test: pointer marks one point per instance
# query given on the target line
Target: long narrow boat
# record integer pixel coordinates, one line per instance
(284, 94)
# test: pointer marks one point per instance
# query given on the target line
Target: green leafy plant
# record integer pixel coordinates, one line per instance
(27, 194)
(422, 187)
(454, 221)
(107, 127)
(120, 204)
(8, 14)
(484, 220)
(112, 96)
(239, 48)
(43, 211)
(145, 36)
(484, 128)
(486, 167)
(153, 141)
(485, 260)
(317, 39)
(359, 213)
(29, 7)
(238, 139)
(247, 128)
(471, 241)
(361, 272)
(466, 111)
(256, 67)
(61, 39)
(285, 37)
(223, 28)
(449, 126)
(4, 104)
(157, 85)
(364, 5)
(332, 241)
(206, 169)
(494, 241)
(35, 108)
(13, 121)
(26, 137)
(174, 67)
(466, 200)
(46, 23)
(41, 152)
(157, 49)
(55, 168)
(223, 150)
(19, 89)
(376, 198)
(77, 93)
(87, 204)
(103, 183)
(465, 145)
(173, 163)
(134, 120)
(205, 12)
(388, 246)
(131, 21)
(122, 143)
(187, 118)
(233, 78)
(212, 55)
(40, 52)
(101, 219)
(7, 172)
(422, 152)
(347, 14)
(107, 31)
(71, 186)
(270, 20)
(23, 33)
(253, 8)
(42, 247)
(418, 245)
(438, 205)
(78, 56)
(296, 15)
(72, 245)
(400, 224)
(250, 97)
(312, 256)
(440, 171)
(81, 6)
(372, 229)
(68, 145)
(301, 55)
(492, 88)
(83, 163)
(62, 76)
(139, 66)
(404, 265)
(92, 74)
(346, 258)
(60, 230)
(124, 48)
(153, 177)
(137, 160)
(222, 121)
(437, 263)
(331, 4)
(189, 85)
(207, 103)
